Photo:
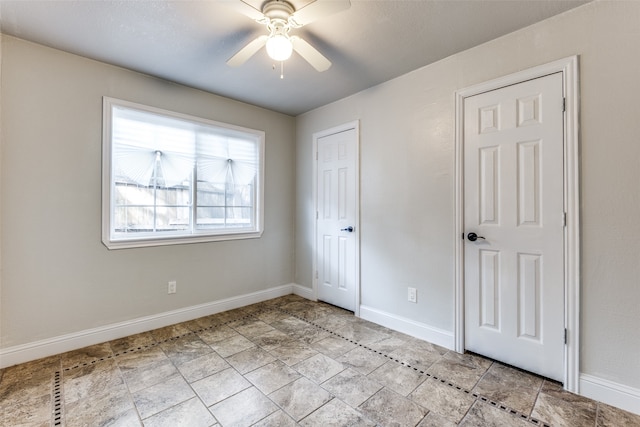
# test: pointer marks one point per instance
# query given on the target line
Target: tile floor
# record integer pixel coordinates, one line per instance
(285, 362)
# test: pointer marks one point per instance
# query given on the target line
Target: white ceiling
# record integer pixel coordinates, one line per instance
(189, 41)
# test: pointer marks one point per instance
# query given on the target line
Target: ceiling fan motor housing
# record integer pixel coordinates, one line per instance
(278, 10)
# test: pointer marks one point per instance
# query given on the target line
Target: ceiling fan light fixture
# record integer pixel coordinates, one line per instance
(279, 47)
(280, 16)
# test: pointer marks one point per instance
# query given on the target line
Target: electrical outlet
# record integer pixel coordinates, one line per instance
(171, 288)
(413, 295)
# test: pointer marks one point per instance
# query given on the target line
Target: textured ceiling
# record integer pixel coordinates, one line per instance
(189, 41)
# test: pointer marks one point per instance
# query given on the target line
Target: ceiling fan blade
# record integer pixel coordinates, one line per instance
(248, 51)
(243, 8)
(310, 54)
(316, 10)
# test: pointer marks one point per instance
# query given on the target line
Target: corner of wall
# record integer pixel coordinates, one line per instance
(304, 292)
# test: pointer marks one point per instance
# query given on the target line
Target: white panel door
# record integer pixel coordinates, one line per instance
(514, 198)
(336, 233)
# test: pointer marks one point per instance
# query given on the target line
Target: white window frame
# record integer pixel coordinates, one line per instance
(189, 236)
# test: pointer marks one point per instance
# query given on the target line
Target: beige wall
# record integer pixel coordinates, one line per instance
(407, 167)
(57, 277)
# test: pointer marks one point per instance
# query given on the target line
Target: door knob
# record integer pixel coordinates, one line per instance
(473, 237)
(349, 229)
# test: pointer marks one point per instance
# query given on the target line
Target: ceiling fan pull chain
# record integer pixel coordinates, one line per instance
(281, 70)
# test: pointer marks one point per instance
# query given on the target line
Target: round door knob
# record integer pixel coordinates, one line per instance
(473, 237)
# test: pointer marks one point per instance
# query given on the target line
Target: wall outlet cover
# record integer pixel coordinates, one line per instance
(172, 287)
(413, 295)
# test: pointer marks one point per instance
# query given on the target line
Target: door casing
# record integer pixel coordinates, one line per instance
(569, 69)
(355, 125)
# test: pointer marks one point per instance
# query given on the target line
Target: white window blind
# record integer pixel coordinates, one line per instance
(170, 178)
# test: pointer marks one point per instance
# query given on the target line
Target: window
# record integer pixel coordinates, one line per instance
(170, 178)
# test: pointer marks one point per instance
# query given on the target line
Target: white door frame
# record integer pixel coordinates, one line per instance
(569, 69)
(355, 125)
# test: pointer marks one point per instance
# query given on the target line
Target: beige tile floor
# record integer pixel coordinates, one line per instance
(285, 362)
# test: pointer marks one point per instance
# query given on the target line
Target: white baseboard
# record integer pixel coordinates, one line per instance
(304, 292)
(31, 351)
(410, 327)
(611, 393)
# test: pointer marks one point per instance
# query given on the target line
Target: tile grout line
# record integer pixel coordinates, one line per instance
(597, 414)
(537, 396)
(495, 404)
(57, 412)
(60, 416)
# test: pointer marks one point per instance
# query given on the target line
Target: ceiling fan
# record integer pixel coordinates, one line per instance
(280, 16)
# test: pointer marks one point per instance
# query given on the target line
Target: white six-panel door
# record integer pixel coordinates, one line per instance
(513, 201)
(336, 219)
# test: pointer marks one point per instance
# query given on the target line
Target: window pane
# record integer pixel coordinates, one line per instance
(151, 209)
(168, 219)
(173, 196)
(129, 219)
(225, 205)
(239, 217)
(211, 217)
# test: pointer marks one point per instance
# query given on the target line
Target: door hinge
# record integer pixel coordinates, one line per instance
(316, 155)
(565, 335)
(564, 104)
(317, 214)
(317, 279)
(564, 219)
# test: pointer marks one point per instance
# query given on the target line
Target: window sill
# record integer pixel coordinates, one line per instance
(176, 240)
